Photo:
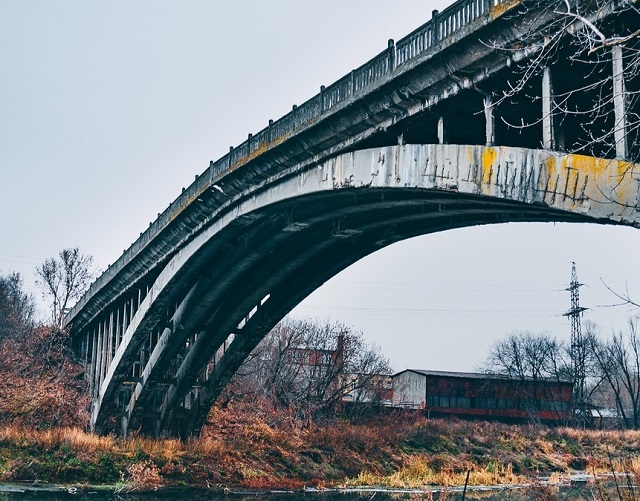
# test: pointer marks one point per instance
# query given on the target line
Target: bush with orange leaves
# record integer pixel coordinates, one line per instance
(40, 383)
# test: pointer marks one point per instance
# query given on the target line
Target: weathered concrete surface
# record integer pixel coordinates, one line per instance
(604, 189)
(357, 202)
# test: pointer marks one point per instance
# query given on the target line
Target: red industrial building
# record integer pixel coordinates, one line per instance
(484, 396)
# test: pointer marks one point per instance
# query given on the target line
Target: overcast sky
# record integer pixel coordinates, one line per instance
(107, 109)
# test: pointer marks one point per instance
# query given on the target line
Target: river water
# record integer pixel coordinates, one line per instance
(567, 492)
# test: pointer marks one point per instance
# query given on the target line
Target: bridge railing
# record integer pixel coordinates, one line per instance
(432, 36)
(338, 92)
(415, 43)
(373, 70)
(307, 111)
(427, 37)
(462, 14)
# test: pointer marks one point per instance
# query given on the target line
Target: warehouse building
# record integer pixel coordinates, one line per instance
(483, 396)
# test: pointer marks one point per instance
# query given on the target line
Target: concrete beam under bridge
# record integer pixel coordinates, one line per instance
(263, 252)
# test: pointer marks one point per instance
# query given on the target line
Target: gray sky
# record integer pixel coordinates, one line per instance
(107, 109)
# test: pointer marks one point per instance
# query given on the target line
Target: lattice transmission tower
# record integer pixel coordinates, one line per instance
(578, 349)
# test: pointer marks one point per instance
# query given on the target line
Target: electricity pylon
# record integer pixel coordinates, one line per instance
(578, 357)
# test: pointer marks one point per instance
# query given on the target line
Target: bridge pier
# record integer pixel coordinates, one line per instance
(619, 102)
(548, 112)
(490, 126)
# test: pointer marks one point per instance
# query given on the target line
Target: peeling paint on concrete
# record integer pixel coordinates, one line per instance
(602, 188)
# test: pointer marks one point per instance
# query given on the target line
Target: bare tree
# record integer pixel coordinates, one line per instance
(625, 298)
(524, 355)
(308, 368)
(40, 383)
(618, 361)
(17, 308)
(533, 360)
(64, 280)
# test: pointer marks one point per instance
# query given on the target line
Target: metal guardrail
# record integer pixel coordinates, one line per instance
(427, 37)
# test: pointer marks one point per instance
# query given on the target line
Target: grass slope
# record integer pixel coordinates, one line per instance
(393, 451)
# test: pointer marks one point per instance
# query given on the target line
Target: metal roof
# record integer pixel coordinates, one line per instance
(474, 375)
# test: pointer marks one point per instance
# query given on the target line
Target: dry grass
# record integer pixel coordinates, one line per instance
(417, 473)
(400, 451)
(47, 439)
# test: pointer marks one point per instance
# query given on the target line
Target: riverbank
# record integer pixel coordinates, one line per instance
(398, 451)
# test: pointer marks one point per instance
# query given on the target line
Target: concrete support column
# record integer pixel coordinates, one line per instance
(548, 127)
(111, 337)
(441, 130)
(619, 103)
(489, 121)
(118, 330)
(84, 349)
(106, 340)
(99, 358)
(126, 317)
(94, 359)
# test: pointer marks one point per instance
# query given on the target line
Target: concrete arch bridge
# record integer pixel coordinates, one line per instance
(417, 140)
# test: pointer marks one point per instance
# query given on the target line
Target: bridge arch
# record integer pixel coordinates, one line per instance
(270, 247)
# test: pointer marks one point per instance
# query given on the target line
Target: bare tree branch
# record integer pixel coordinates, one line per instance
(64, 280)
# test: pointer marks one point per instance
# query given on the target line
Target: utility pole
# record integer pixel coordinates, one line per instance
(578, 357)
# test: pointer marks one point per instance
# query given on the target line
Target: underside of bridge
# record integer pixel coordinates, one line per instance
(226, 288)
(240, 284)
(403, 146)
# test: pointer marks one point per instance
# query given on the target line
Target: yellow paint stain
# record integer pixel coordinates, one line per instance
(489, 156)
(593, 166)
(551, 167)
(602, 173)
(259, 151)
(624, 170)
(498, 10)
(587, 166)
(178, 210)
(600, 178)
(270, 144)
(264, 146)
(549, 182)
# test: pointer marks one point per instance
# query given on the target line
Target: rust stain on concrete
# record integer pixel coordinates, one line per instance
(498, 10)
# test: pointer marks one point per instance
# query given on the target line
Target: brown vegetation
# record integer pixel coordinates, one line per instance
(238, 449)
(40, 384)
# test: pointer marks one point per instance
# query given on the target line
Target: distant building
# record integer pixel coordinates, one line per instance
(368, 389)
(606, 419)
(472, 395)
